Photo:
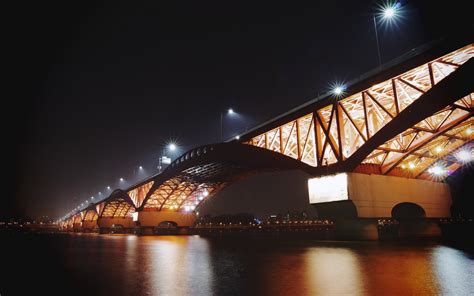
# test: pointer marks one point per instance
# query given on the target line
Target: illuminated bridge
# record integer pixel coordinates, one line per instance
(397, 131)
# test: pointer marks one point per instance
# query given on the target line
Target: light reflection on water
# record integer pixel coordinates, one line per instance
(191, 265)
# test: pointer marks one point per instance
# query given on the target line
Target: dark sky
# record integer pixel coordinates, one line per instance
(99, 87)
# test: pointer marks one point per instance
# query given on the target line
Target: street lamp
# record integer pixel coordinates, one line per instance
(230, 111)
(171, 147)
(388, 13)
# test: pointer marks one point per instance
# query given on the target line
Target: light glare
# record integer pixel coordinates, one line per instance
(464, 156)
(389, 12)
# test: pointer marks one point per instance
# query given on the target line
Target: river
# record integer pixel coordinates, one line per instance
(91, 264)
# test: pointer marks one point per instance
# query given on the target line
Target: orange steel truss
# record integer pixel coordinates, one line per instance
(138, 194)
(334, 132)
(117, 208)
(90, 215)
(178, 194)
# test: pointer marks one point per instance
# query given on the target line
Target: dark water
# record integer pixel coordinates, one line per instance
(75, 264)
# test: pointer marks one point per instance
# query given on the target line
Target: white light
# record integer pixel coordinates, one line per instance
(237, 137)
(108, 187)
(192, 208)
(100, 193)
(230, 111)
(389, 12)
(205, 193)
(201, 197)
(411, 165)
(140, 167)
(328, 188)
(468, 131)
(338, 90)
(92, 197)
(121, 179)
(438, 149)
(186, 208)
(172, 146)
(437, 170)
(196, 202)
(135, 216)
(464, 156)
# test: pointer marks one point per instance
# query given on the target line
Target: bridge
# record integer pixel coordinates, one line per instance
(391, 137)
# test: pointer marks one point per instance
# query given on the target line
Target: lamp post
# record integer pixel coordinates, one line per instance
(230, 111)
(388, 13)
(171, 147)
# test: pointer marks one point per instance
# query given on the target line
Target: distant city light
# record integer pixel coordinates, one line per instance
(464, 156)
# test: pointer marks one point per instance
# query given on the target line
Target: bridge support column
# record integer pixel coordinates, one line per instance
(357, 201)
(115, 225)
(77, 227)
(90, 226)
(150, 221)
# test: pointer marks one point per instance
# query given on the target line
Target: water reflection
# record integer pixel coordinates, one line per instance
(334, 271)
(453, 272)
(191, 265)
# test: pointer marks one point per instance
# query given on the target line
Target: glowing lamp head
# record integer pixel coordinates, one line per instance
(92, 197)
(205, 193)
(438, 149)
(468, 131)
(389, 12)
(437, 170)
(140, 168)
(172, 147)
(338, 90)
(230, 111)
(121, 179)
(108, 187)
(237, 137)
(411, 165)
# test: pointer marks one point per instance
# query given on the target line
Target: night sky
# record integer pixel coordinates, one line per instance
(99, 87)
